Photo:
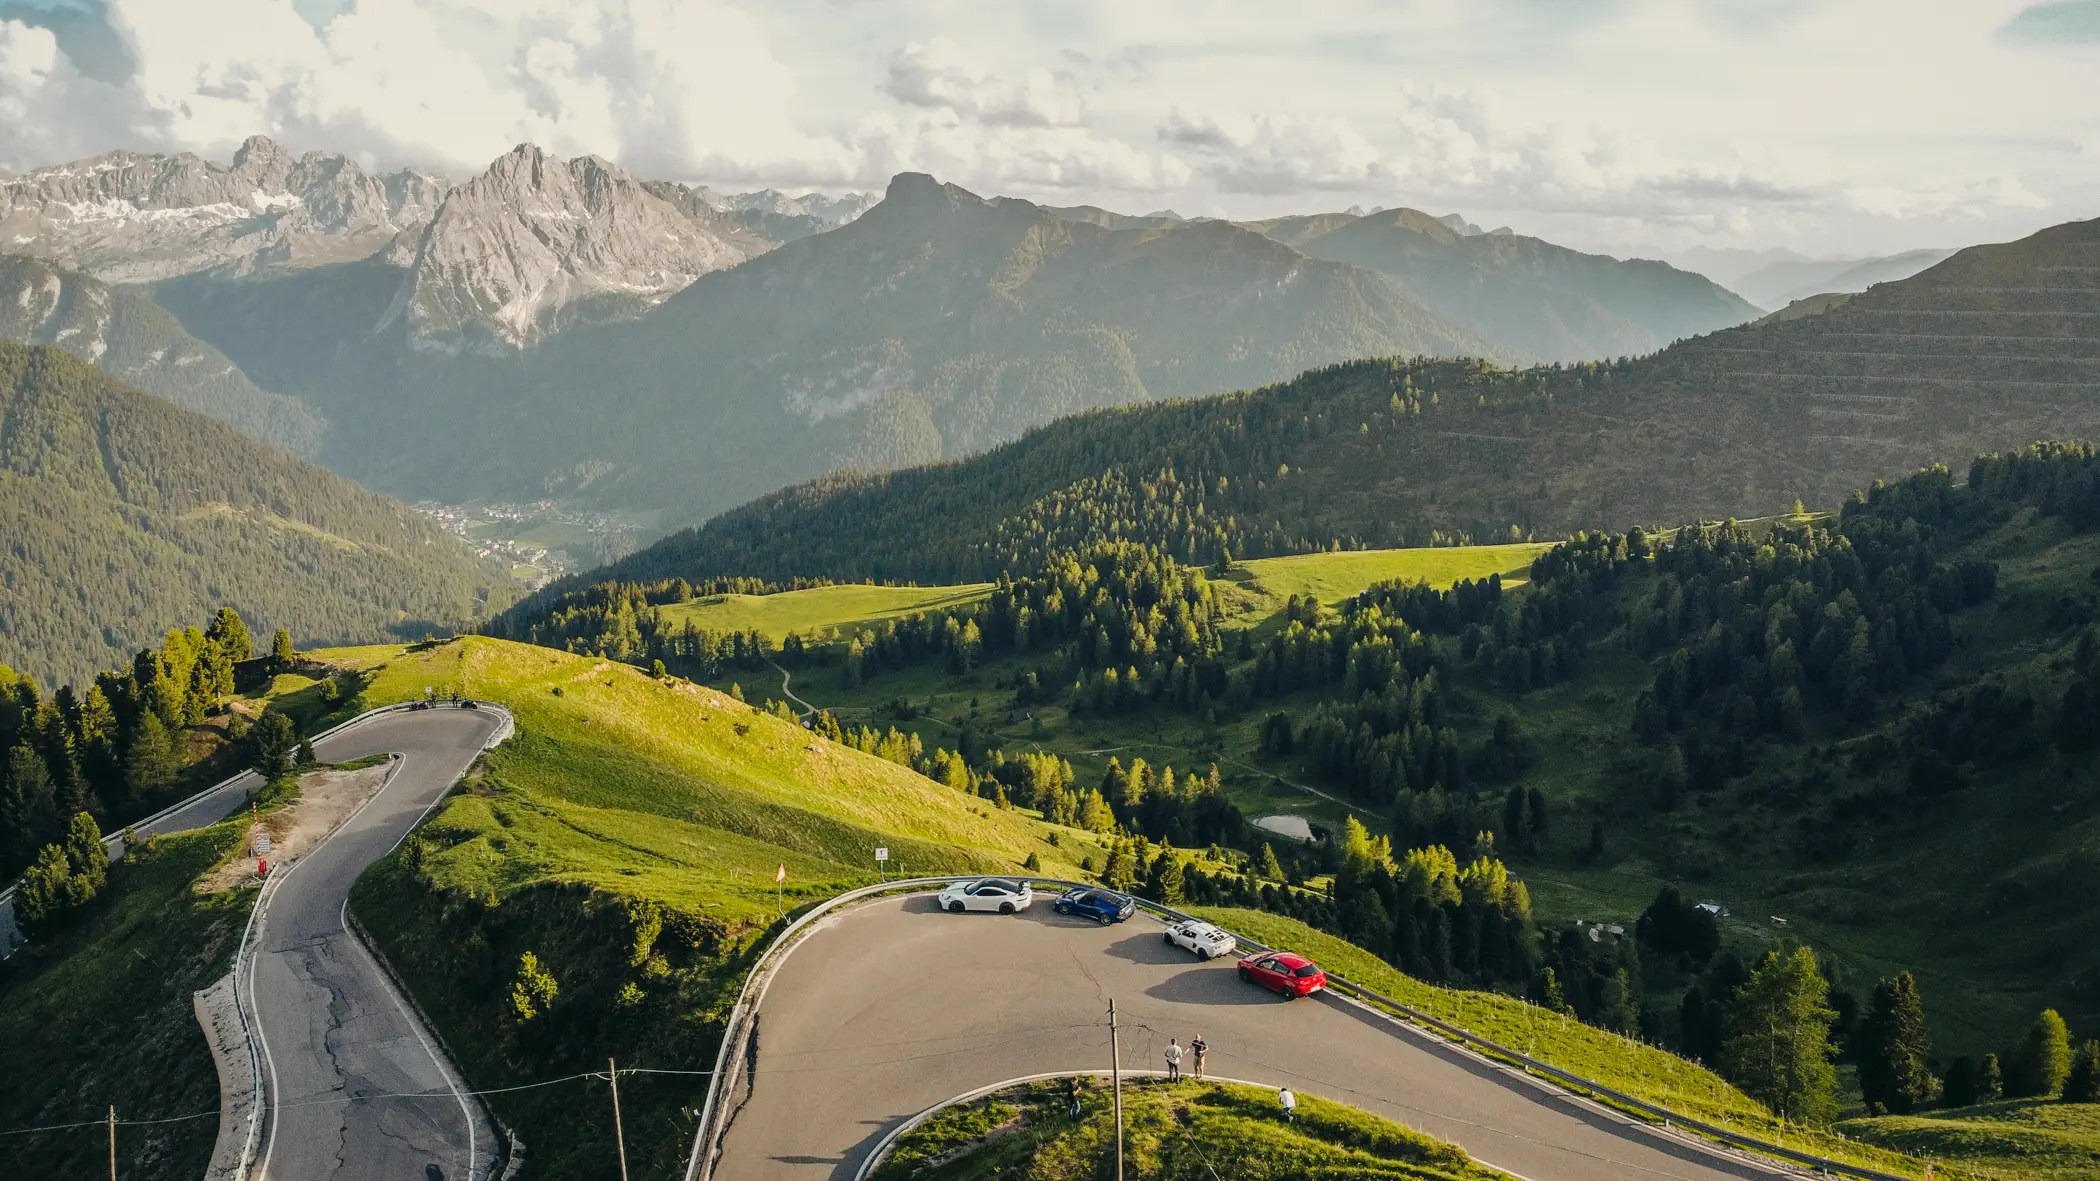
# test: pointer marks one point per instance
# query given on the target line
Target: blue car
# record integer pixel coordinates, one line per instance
(1102, 906)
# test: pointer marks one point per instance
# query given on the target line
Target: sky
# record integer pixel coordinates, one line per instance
(1828, 127)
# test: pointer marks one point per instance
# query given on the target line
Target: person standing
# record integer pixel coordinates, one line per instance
(1199, 1048)
(1173, 1061)
(1072, 1093)
(1290, 1105)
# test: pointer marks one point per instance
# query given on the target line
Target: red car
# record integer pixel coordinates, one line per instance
(1284, 973)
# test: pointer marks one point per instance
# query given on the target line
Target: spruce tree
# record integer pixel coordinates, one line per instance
(2042, 1060)
(1778, 1048)
(150, 761)
(271, 744)
(2082, 1084)
(281, 651)
(28, 808)
(1268, 867)
(1892, 1049)
(86, 856)
(1958, 1089)
(1990, 1080)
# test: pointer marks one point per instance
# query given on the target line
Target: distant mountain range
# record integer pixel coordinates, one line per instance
(561, 328)
(1780, 283)
(1990, 350)
(126, 515)
(132, 338)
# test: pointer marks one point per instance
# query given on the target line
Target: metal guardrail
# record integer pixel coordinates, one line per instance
(736, 1039)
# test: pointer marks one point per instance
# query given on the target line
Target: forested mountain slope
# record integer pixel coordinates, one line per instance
(1535, 300)
(936, 324)
(1877, 724)
(126, 515)
(131, 338)
(1995, 347)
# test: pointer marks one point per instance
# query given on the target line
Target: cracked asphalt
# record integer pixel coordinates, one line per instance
(892, 1007)
(341, 1048)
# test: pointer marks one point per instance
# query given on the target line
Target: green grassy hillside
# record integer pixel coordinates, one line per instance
(1182, 1133)
(628, 837)
(127, 515)
(1337, 575)
(818, 611)
(2013, 1140)
(101, 1017)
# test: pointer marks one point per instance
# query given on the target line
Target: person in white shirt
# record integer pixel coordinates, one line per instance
(1290, 1105)
(1173, 1061)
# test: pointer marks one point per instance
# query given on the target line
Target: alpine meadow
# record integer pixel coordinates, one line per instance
(685, 590)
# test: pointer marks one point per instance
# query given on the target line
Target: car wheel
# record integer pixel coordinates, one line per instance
(1244, 975)
(1006, 908)
(1208, 954)
(955, 908)
(1169, 937)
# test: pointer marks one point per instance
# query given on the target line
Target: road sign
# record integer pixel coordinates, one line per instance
(882, 854)
(262, 842)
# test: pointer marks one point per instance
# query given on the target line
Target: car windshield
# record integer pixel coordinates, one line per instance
(1307, 970)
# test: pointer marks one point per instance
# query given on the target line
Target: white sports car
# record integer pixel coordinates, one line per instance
(1203, 938)
(1003, 895)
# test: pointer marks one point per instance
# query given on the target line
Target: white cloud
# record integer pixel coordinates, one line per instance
(1643, 120)
(938, 75)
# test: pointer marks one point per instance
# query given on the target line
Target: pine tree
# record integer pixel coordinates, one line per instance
(150, 762)
(2042, 1060)
(271, 744)
(2082, 1084)
(1173, 880)
(1778, 1048)
(40, 897)
(1267, 866)
(1958, 1089)
(1892, 1048)
(28, 810)
(1990, 1081)
(86, 857)
(282, 654)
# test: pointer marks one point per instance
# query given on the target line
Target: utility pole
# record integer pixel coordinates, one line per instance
(1115, 1073)
(113, 1142)
(612, 1074)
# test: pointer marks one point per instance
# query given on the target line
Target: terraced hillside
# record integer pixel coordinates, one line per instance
(1990, 350)
(1998, 342)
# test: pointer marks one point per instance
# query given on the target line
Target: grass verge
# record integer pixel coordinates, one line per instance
(101, 1016)
(1627, 1066)
(1189, 1132)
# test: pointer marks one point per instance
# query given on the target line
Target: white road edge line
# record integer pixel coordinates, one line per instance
(416, 1027)
(262, 1170)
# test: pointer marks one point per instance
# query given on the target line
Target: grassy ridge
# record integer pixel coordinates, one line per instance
(1333, 577)
(670, 791)
(1187, 1132)
(623, 797)
(846, 608)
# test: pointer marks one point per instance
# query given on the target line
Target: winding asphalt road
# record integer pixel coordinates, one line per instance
(893, 1006)
(341, 1051)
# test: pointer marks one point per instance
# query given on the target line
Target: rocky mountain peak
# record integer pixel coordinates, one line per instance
(536, 241)
(258, 153)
